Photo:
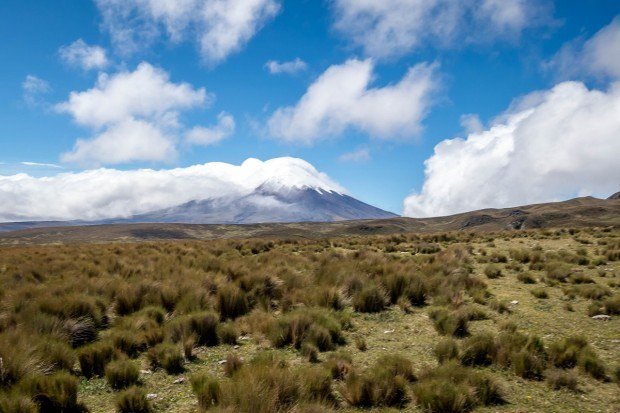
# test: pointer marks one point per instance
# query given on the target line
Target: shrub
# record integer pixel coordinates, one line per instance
(446, 350)
(539, 293)
(612, 304)
(339, 364)
(207, 390)
(360, 343)
(232, 302)
(329, 297)
(499, 306)
(133, 400)
(314, 326)
(589, 362)
(168, 357)
(575, 351)
(128, 342)
(616, 374)
(56, 393)
(227, 333)
(80, 331)
(203, 325)
(449, 323)
(129, 299)
(94, 357)
(310, 351)
(561, 379)
(121, 374)
(492, 271)
(371, 299)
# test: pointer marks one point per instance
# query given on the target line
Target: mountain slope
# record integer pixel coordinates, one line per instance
(580, 212)
(269, 204)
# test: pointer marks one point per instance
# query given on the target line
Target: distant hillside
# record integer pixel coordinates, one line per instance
(579, 212)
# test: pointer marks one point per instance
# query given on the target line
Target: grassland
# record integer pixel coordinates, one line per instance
(446, 322)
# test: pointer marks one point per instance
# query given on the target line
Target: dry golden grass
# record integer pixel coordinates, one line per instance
(291, 310)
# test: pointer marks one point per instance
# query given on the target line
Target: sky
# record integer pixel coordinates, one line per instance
(423, 108)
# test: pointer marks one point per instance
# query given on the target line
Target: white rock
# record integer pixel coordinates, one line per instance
(179, 380)
(514, 302)
(389, 331)
(602, 317)
(151, 396)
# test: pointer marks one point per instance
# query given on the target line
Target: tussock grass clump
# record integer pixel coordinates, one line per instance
(383, 385)
(203, 325)
(207, 390)
(233, 364)
(449, 323)
(479, 350)
(451, 388)
(17, 403)
(265, 385)
(315, 326)
(121, 374)
(339, 364)
(408, 287)
(133, 400)
(562, 379)
(167, 356)
(492, 271)
(80, 331)
(232, 302)
(371, 299)
(446, 350)
(56, 354)
(19, 360)
(612, 304)
(539, 293)
(575, 351)
(526, 278)
(128, 342)
(56, 393)
(94, 357)
(329, 297)
(228, 333)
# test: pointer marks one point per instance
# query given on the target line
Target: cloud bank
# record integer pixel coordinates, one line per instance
(219, 27)
(549, 145)
(134, 117)
(294, 66)
(109, 193)
(392, 28)
(342, 98)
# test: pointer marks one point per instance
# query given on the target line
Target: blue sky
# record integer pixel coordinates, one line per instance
(479, 65)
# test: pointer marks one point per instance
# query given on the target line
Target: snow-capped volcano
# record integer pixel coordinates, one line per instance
(276, 190)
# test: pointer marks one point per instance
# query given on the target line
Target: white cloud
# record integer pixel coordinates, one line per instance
(341, 98)
(392, 28)
(135, 116)
(206, 136)
(471, 123)
(598, 56)
(41, 165)
(82, 55)
(359, 155)
(108, 193)
(275, 68)
(220, 27)
(33, 88)
(549, 145)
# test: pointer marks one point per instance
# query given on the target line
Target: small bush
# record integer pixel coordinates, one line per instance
(121, 374)
(56, 354)
(314, 326)
(339, 364)
(539, 293)
(168, 357)
(203, 325)
(612, 304)
(310, 351)
(575, 351)
(329, 297)
(360, 343)
(128, 342)
(233, 364)
(446, 350)
(17, 403)
(133, 400)
(94, 357)
(561, 379)
(207, 390)
(479, 350)
(370, 300)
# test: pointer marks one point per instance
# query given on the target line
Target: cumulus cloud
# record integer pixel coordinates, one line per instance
(359, 155)
(275, 68)
(206, 136)
(134, 115)
(597, 57)
(82, 55)
(110, 193)
(33, 90)
(342, 98)
(550, 145)
(392, 28)
(220, 27)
